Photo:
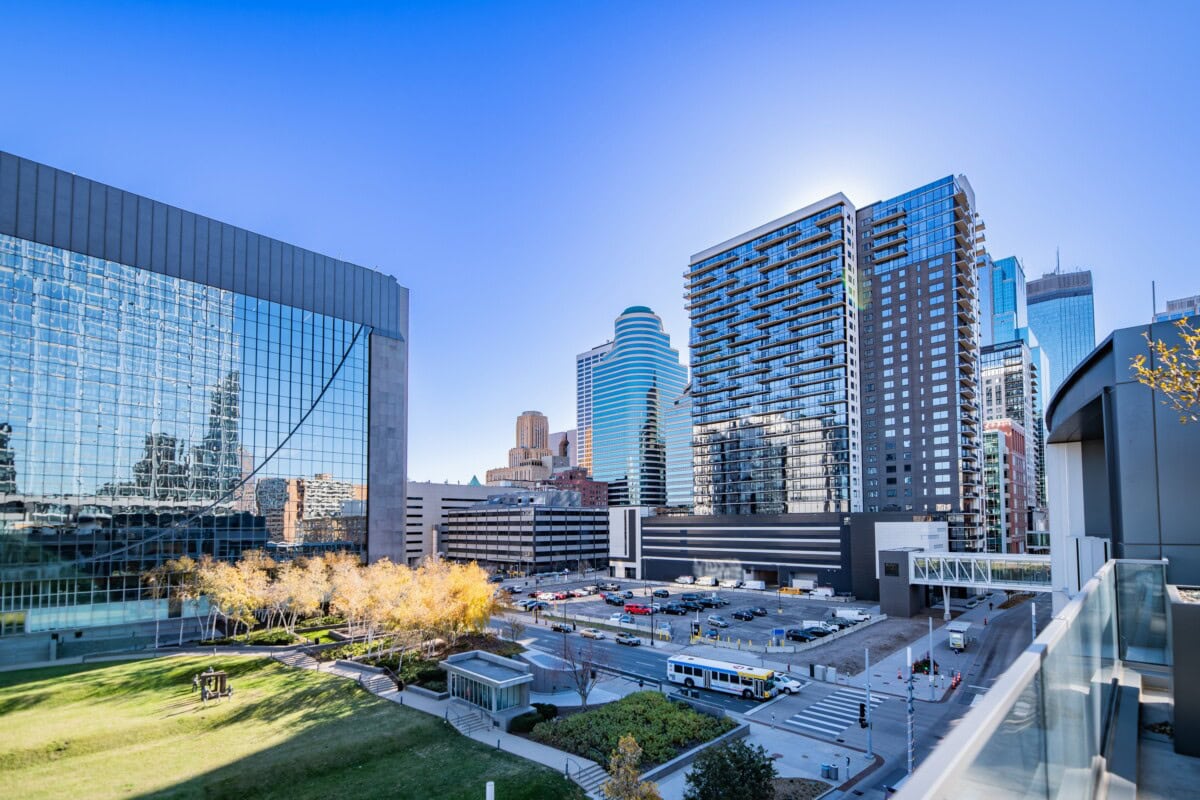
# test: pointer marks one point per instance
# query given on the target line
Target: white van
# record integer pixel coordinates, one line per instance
(707, 580)
(685, 580)
(731, 583)
(855, 614)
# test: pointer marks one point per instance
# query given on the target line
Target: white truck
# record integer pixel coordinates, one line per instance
(959, 637)
(855, 614)
(822, 591)
(760, 585)
(804, 583)
(707, 580)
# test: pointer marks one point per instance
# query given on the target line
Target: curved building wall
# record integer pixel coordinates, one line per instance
(634, 386)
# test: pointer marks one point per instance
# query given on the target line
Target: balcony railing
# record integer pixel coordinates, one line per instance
(1038, 732)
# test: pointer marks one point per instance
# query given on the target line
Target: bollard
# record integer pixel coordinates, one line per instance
(490, 791)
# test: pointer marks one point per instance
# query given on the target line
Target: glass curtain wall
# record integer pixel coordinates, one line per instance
(145, 417)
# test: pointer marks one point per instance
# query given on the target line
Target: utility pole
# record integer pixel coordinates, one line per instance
(870, 751)
(931, 659)
(1033, 617)
(911, 743)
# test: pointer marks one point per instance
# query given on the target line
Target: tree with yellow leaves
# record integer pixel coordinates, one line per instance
(624, 778)
(1176, 373)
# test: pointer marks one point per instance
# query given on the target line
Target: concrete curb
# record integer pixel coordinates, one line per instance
(421, 690)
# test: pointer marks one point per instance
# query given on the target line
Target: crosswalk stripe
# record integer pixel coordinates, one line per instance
(833, 714)
(816, 727)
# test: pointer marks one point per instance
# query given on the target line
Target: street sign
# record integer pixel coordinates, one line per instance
(777, 632)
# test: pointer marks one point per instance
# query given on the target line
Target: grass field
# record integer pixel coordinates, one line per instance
(135, 729)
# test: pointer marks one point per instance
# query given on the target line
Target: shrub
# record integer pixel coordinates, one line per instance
(733, 771)
(525, 722)
(546, 710)
(663, 729)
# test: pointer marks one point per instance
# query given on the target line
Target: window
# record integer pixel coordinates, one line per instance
(891, 569)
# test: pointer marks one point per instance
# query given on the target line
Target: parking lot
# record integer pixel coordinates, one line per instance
(795, 609)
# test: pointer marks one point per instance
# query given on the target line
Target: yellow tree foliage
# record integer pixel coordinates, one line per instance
(1176, 372)
(624, 783)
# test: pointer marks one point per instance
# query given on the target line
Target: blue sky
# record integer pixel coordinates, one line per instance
(528, 170)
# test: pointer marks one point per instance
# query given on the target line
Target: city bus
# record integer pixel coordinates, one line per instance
(752, 683)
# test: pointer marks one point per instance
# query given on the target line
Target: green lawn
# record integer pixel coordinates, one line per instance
(135, 729)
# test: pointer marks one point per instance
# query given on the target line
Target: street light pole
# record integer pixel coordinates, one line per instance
(870, 752)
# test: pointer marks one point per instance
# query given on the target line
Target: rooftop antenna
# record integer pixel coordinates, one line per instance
(1153, 301)
(1057, 261)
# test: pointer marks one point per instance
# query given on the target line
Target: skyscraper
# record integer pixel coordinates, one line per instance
(158, 364)
(1184, 307)
(634, 387)
(533, 431)
(773, 354)
(531, 460)
(1002, 303)
(585, 363)
(920, 355)
(1061, 316)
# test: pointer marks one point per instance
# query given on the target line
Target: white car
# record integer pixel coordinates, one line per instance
(592, 633)
(786, 684)
(629, 639)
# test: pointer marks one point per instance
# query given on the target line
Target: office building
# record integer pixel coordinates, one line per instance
(920, 332)
(527, 533)
(774, 356)
(563, 445)
(592, 494)
(633, 389)
(1002, 302)
(584, 364)
(428, 507)
(170, 386)
(678, 433)
(1012, 391)
(1183, 308)
(1005, 487)
(1061, 316)
(531, 461)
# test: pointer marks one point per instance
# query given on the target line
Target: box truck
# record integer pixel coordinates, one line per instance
(958, 638)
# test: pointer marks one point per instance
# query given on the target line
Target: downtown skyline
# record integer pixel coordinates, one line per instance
(578, 172)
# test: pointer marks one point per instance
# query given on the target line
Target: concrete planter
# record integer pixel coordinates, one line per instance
(682, 760)
(1184, 617)
(426, 692)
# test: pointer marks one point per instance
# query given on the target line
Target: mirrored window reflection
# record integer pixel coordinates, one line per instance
(144, 417)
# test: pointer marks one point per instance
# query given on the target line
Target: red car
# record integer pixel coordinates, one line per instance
(637, 608)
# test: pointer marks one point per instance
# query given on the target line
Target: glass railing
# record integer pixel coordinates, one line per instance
(1037, 732)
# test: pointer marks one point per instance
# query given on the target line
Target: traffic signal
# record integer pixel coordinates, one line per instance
(862, 715)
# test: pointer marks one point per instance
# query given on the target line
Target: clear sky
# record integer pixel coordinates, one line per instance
(528, 170)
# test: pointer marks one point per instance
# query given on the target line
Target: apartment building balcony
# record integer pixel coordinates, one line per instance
(888, 229)
(897, 214)
(1072, 716)
(882, 259)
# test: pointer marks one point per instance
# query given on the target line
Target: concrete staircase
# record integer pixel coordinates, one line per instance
(297, 659)
(376, 683)
(591, 779)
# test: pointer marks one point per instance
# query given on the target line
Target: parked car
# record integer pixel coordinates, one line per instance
(787, 684)
(561, 627)
(614, 599)
(708, 602)
(717, 621)
(610, 586)
(797, 635)
(637, 608)
(685, 579)
(720, 601)
(712, 634)
(496, 579)
(591, 589)
(689, 605)
(840, 624)
(617, 619)
(578, 593)
(627, 594)
(510, 589)
(818, 632)
(540, 605)
(661, 593)
(743, 614)
(674, 608)
(627, 638)
(547, 596)
(692, 596)
(592, 633)
(758, 611)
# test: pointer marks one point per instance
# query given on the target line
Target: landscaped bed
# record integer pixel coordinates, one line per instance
(799, 788)
(137, 729)
(419, 666)
(663, 729)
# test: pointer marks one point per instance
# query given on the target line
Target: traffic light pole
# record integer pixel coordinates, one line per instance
(870, 752)
(910, 681)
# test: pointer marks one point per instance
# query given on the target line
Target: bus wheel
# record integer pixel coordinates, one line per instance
(746, 693)
(688, 682)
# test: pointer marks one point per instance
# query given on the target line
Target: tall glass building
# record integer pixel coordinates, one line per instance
(172, 385)
(1062, 317)
(634, 388)
(585, 365)
(918, 256)
(1002, 301)
(774, 367)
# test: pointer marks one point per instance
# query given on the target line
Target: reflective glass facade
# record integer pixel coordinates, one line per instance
(1002, 299)
(678, 434)
(920, 356)
(634, 388)
(585, 363)
(146, 416)
(773, 357)
(1061, 315)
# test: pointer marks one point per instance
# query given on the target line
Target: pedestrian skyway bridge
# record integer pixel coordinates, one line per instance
(1025, 573)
